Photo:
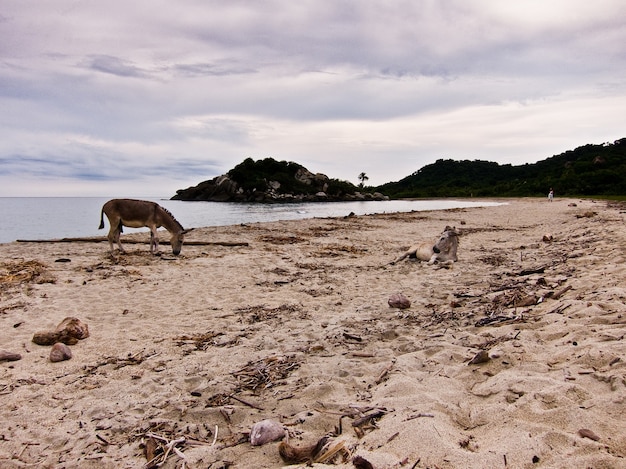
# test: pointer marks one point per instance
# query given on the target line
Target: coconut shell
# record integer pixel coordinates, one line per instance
(265, 431)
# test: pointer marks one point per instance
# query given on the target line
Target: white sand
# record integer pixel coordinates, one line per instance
(295, 327)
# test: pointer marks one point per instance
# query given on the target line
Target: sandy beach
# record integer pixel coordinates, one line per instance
(514, 357)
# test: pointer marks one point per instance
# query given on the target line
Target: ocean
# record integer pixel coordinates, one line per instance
(35, 218)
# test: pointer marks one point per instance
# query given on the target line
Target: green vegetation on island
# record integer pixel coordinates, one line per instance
(589, 170)
(272, 181)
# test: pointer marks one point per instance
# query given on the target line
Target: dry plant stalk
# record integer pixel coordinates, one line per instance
(332, 452)
(266, 372)
(157, 449)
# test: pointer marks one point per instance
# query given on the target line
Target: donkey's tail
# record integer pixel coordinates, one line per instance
(101, 219)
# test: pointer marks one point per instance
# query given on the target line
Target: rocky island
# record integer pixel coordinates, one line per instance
(271, 181)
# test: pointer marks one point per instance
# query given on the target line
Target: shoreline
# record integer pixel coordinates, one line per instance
(291, 323)
(58, 222)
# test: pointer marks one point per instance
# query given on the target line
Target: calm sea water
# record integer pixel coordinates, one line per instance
(70, 217)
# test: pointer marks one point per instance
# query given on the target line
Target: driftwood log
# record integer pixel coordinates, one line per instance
(100, 239)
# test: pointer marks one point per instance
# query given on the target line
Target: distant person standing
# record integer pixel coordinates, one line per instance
(550, 195)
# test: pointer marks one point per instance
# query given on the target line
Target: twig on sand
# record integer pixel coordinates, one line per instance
(534, 270)
(375, 414)
(420, 415)
(249, 404)
(167, 447)
(561, 292)
(559, 309)
(215, 436)
(385, 372)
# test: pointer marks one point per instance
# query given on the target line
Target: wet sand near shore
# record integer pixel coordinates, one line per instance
(512, 358)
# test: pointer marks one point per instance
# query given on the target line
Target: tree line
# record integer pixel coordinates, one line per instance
(589, 170)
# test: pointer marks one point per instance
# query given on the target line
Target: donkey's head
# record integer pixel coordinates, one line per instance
(177, 240)
(447, 244)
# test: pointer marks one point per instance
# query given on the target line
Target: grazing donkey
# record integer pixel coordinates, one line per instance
(443, 251)
(137, 214)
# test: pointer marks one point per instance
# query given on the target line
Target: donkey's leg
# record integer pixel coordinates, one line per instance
(114, 237)
(411, 252)
(402, 257)
(111, 238)
(118, 232)
(154, 241)
(119, 242)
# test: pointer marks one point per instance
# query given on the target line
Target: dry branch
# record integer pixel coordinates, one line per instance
(100, 239)
(534, 270)
(383, 374)
(249, 404)
(561, 292)
(376, 414)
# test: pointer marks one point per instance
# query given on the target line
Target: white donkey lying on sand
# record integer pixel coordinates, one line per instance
(442, 252)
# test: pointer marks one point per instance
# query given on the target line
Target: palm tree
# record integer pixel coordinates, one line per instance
(362, 177)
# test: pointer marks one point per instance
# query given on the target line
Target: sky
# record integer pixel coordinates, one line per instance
(141, 98)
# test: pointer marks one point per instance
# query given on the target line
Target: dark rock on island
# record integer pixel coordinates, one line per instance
(271, 181)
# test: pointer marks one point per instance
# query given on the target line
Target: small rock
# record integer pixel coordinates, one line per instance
(266, 431)
(398, 300)
(6, 356)
(73, 327)
(480, 357)
(548, 238)
(69, 331)
(361, 463)
(45, 338)
(60, 352)
(389, 334)
(586, 433)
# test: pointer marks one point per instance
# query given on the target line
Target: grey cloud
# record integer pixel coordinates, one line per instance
(90, 168)
(48, 166)
(115, 66)
(212, 69)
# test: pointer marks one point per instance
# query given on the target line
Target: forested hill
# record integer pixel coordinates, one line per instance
(587, 170)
